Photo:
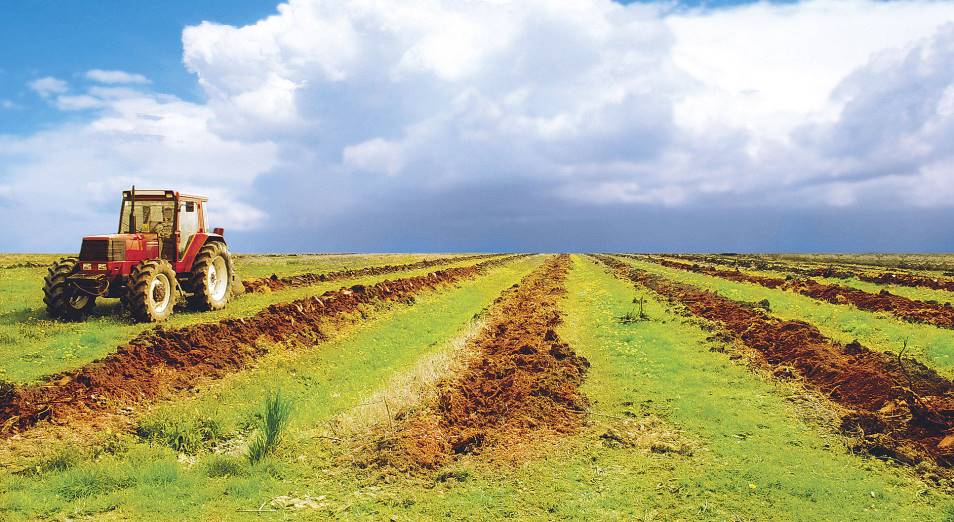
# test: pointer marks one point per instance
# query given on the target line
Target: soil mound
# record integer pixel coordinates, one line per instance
(906, 409)
(902, 307)
(522, 382)
(164, 360)
(276, 283)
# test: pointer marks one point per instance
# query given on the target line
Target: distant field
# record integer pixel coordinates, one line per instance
(469, 386)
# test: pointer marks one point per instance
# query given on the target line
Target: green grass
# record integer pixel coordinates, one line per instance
(758, 460)
(931, 345)
(144, 478)
(33, 346)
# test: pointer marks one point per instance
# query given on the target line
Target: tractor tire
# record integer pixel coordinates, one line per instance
(63, 300)
(151, 291)
(211, 278)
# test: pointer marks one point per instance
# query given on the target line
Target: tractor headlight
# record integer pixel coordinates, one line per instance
(101, 266)
(87, 266)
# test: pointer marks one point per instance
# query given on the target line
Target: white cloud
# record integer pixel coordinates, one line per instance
(48, 85)
(71, 176)
(78, 103)
(101, 76)
(570, 104)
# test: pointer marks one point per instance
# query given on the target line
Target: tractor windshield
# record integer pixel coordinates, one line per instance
(152, 217)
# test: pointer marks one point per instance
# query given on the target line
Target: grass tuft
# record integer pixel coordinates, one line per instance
(274, 421)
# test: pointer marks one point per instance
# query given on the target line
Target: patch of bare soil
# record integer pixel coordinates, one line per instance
(164, 360)
(277, 283)
(896, 406)
(522, 383)
(902, 307)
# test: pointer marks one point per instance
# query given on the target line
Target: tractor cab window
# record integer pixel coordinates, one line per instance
(188, 224)
(152, 217)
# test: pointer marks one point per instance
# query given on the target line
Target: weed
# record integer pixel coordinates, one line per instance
(182, 435)
(633, 316)
(277, 411)
(225, 466)
(85, 482)
(62, 461)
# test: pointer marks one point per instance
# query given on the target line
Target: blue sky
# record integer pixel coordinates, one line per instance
(819, 125)
(63, 39)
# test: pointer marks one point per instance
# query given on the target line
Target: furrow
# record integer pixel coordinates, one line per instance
(521, 382)
(894, 406)
(165, 360)
(911, 310)
(277, 283)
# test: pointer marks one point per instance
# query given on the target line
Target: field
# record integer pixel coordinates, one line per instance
(488, 386)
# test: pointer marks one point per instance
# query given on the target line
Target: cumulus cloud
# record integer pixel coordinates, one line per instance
(48, 85)
(66, 181)
(442, 115)
(102, 76)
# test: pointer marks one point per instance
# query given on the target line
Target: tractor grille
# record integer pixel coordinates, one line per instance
(94, 250)
(117, 250)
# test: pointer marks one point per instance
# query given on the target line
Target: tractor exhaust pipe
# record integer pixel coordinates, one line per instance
(132, 210)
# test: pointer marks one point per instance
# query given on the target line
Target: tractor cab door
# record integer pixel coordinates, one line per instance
(190, 224)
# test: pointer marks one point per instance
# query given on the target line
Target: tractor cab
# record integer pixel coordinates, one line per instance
(160, 231)
(168, 218)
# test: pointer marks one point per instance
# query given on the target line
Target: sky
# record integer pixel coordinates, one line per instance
(486, 125)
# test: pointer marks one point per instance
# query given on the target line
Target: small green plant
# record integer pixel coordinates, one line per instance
(182, 435)
(634, 316)
(225, 466)
(274, 421)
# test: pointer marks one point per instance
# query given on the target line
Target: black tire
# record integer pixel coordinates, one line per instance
(151, 291)
(63, 300)
(210, 288)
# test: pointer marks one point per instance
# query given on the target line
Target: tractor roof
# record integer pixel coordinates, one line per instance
(159, 193)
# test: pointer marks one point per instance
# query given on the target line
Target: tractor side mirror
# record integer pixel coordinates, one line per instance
(190, 206)
(218, 230)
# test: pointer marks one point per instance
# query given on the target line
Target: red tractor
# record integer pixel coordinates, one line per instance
(162, 248)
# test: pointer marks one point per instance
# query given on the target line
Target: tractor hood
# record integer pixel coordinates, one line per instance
(119, 247)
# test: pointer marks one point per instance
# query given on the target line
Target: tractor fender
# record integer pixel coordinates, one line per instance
(198, 241)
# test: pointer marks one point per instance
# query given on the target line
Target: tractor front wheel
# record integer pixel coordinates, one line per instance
(151, 291)
(211, 278)
(63, 299)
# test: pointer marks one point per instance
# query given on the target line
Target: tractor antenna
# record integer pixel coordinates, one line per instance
(132, 210)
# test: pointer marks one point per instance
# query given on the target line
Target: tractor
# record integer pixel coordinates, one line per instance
(162, 249)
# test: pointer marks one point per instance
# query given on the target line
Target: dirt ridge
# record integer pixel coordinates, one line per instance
(522, 381)
(907, 309)
(895, 406)
(165, 360)
(883, 278)
(274, 282)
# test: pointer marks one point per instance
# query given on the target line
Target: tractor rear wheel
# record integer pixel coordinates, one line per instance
(151, 291)
(63, 299)
(211, 278)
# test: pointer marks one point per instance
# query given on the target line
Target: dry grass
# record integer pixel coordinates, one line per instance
(408, 390)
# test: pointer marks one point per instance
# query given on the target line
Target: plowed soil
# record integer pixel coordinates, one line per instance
(901, 307)
(277, 283)
(522, 382)
(895, 407)
(883, 278)
(161, 360)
